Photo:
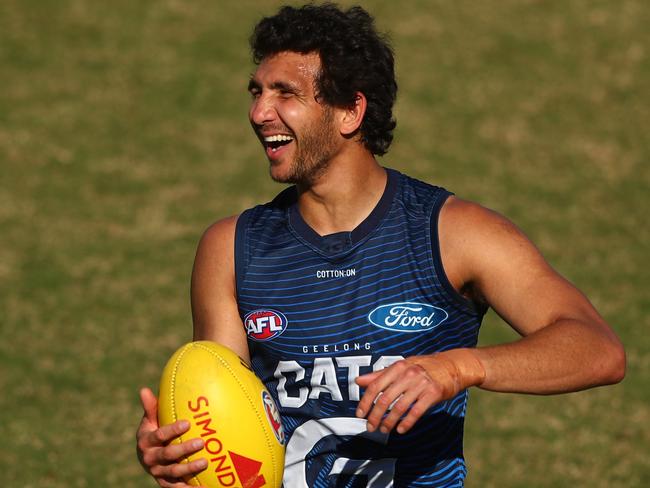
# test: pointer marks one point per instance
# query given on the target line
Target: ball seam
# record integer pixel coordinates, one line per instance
(248, 397)
(173, 395)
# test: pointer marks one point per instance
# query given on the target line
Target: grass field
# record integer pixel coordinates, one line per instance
(123, 134)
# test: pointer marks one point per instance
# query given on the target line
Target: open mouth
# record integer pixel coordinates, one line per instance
(274, 143)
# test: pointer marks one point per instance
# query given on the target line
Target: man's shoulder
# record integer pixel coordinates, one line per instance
(466, 210)
(220, 233)
(465, 216)
(223, 230)
(269, 213)
(418, 192)
(475, 238)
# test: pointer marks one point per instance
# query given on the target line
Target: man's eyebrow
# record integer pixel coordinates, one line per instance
(285, 87)
(282, 86)
(253, 85)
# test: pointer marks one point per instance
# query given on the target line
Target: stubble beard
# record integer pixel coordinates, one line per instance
(314, 152)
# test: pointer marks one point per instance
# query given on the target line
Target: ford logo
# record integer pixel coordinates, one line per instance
(407, 316)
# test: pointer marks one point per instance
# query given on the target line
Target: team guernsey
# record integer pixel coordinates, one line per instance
(321, 310)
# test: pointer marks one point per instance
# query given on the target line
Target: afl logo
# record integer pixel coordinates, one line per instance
(273, 416)
(265, 324)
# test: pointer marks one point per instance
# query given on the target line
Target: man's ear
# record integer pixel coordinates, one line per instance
(352, 116)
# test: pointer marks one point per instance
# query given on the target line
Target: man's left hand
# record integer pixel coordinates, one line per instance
(400, 394)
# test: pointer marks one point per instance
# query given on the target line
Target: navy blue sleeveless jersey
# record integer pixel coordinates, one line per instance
(321, 310)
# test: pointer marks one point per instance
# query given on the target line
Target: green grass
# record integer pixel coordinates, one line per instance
(123, 134)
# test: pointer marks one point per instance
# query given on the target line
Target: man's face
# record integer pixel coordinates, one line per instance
(296, 129)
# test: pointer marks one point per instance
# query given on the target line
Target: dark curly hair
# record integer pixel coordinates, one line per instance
(354, 58)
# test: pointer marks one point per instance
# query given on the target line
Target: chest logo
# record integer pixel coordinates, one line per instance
(407, 317)
(264, 324)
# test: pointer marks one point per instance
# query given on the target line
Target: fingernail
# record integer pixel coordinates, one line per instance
(184, 424)
(197, 444)
(384, 429)
(370, 427)
(400, 430)
(201, 463)
(359, 412)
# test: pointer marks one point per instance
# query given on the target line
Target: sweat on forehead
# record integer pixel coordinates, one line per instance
(287, 70)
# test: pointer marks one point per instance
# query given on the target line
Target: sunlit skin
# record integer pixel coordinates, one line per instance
(339, 181)
(285, 103)
(565, 345)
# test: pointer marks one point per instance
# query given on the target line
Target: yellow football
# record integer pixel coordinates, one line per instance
(230, 409)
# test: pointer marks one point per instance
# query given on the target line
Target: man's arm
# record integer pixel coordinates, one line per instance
(213, 292)
(216, 318)
(565, 345)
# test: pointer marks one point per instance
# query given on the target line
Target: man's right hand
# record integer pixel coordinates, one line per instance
(158, 457)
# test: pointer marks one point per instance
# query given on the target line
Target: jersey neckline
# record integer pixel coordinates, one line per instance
(339, 243)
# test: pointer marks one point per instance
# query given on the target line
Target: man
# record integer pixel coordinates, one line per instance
(375, 283)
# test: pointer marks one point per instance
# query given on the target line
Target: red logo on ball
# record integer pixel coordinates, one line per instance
(266, 324)
(273, 414)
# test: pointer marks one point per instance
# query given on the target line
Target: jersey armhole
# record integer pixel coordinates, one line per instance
(241, 253)
(464, 303)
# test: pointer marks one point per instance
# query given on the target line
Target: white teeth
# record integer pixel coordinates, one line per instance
(278, 138)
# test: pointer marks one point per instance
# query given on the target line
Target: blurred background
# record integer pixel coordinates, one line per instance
(124, 134)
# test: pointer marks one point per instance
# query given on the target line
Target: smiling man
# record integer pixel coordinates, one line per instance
(296, 128)
(358, 292)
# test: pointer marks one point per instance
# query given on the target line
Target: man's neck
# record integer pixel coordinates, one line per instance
(344, 196)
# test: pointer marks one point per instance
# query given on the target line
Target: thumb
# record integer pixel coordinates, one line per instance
(149, 405)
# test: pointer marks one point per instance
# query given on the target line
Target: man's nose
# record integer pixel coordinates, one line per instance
(262, 110)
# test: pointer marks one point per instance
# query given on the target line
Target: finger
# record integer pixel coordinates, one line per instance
(421, 405)
(164, 434)
(399, 408)
(365, 379)
(380, 380)
(173, 483)
(366, 400)
(149, 404)
(175, 472)
(420, 394)
(167, 433)
(170, 483)
(173, 452)
(385, 402)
